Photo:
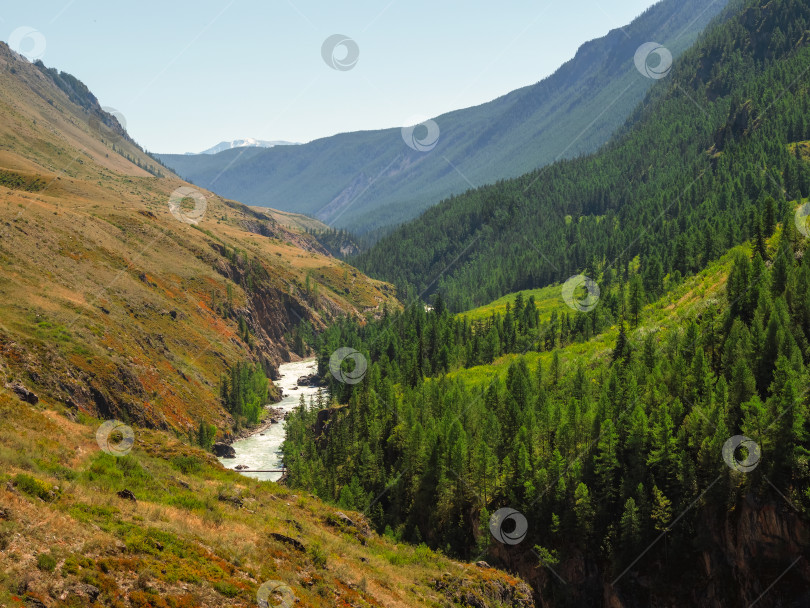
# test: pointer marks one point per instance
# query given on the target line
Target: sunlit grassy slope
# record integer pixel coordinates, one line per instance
(696, 293)
(112, 306)
(547, 300)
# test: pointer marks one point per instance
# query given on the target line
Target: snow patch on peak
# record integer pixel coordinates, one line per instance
(248, 142)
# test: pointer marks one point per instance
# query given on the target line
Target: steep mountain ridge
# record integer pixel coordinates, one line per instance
(371, 179)
(114, 301)
(689, 176)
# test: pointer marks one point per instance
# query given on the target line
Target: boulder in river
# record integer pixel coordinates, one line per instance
(223, 450)
(310, 380)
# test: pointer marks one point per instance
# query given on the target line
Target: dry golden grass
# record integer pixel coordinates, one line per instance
(106, 293)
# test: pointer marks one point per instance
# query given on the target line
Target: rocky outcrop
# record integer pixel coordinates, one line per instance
(283, 538)
(311, 380)
(23, 393)
(745, 549)
(755, 546)
(323, 419)
(485, 593)
(223, 450)
(83, 592)
(127, 495)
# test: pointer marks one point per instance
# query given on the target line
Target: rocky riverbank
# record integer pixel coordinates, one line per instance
(274, 416)
(259, 447)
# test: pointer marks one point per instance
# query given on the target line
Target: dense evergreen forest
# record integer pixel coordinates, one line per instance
(605, 456)
(685, 180)
(600, 456)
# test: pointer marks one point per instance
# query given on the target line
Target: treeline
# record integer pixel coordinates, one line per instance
(600, 457)
(339, 243)
(685, 180)
(420, 342)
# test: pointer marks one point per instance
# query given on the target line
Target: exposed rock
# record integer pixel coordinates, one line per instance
(345, 519)
(485, 593)
(324, 416)
(289, 541)
(310, 380)
(240, 467)
(234, 499)
(360, 524)
(482, 564)
(23, 393)
(223, 450)
(127, 495)
(82, 590)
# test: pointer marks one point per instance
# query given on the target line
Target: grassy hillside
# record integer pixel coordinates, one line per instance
(196, 535)
(295, 221)
(366, 180)
(670, 312)
(547, 299)
(111, 304)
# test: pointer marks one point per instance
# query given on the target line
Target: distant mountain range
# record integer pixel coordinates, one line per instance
(369, 180)
(243, 143)
(680, 183)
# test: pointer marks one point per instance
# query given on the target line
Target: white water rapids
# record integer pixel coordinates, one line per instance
(263, 450)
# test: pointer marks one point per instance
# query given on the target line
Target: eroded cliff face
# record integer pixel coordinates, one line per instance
(757, 553)
(760, 554)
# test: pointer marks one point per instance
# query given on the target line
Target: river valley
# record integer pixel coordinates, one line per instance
(262, 450)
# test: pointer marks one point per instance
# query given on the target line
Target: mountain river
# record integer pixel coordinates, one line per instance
(263, 449)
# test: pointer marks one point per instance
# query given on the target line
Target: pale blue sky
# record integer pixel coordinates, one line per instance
(187, 75)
